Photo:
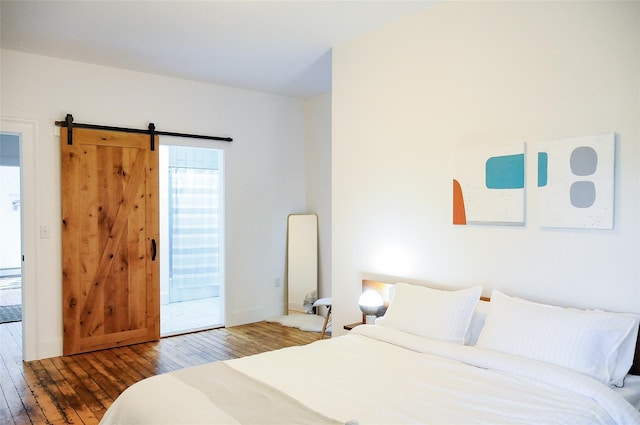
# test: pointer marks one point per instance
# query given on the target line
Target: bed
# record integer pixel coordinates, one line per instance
(440, 357)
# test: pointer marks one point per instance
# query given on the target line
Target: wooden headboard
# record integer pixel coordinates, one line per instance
(383, 289)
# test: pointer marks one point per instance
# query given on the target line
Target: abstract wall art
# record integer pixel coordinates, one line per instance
(488, 185)
(576, 182)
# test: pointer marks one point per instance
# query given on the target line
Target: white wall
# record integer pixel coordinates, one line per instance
(482, 73)
(318, 181)
(265, 171)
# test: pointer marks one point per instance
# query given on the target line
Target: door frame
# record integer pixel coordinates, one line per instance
(27, 130)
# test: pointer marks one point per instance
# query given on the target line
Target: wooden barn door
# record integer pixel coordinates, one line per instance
(109, 235)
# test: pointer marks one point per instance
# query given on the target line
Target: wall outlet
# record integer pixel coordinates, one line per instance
(278, 282)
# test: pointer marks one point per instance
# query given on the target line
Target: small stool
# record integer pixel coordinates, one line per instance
(324, 302)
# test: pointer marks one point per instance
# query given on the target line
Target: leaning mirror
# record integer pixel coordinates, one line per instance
(302, 262)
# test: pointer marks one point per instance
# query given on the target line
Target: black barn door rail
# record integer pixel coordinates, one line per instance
(151, 131)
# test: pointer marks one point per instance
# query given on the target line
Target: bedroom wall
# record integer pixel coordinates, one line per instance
(318, 180)
(265, 167)
(477, 73)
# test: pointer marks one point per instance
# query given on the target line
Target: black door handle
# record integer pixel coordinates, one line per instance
(153, 250)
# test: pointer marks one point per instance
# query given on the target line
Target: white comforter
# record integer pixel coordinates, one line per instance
(378, 375)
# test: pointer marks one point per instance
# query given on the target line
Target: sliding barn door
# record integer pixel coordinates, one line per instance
(109, 240)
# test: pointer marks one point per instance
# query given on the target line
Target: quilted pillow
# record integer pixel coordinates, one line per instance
(431, 313)
(596, 343)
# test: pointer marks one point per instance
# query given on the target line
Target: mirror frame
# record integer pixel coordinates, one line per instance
(301, 259)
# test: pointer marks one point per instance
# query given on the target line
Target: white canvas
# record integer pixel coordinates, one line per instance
(490, 205)
(578, 190)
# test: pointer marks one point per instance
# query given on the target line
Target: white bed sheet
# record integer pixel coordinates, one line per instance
(369, 377)
(630, 391)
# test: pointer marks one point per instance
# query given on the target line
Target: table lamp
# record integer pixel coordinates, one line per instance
(370, 302)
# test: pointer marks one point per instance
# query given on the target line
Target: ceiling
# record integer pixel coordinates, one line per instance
(281, 47)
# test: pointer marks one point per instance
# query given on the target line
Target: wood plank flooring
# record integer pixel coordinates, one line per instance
(78, 389)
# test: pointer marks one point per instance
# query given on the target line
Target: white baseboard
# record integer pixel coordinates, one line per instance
(51, 347)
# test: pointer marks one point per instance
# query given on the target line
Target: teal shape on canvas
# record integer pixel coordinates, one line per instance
(505, 172)
(543, 161)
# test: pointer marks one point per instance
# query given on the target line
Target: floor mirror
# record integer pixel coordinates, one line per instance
(302, 262)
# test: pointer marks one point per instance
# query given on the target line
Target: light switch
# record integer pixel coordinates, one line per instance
(45, 232)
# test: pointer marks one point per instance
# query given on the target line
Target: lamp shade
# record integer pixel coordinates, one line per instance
(370, 302)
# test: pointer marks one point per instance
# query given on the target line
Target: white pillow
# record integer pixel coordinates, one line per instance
(432, 313)
(596, 343)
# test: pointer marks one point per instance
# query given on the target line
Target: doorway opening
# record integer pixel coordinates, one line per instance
(10, 230)
(191, 235)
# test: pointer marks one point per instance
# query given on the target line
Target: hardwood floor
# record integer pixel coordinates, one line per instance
(78, 389)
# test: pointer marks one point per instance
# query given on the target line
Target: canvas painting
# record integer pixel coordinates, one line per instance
(576, 182)
(488, 185)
